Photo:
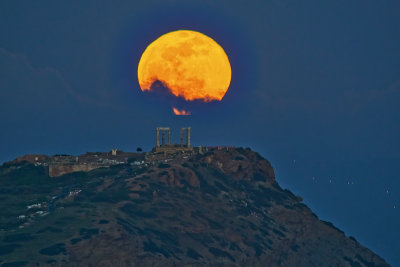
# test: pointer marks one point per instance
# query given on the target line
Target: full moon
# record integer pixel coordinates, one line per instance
(190, 64)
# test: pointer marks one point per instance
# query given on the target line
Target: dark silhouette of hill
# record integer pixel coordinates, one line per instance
(221, 208)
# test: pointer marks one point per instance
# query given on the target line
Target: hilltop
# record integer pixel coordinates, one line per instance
(214, 207)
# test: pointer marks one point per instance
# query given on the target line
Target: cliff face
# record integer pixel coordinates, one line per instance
(223, 208)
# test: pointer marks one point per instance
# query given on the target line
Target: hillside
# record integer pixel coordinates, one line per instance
(220, 208)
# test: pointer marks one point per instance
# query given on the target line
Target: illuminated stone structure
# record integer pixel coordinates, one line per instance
(163, 130)
(169, 147)
(187, 129)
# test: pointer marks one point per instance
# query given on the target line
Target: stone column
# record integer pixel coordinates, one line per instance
(182, 137)
(158, 138)
(162, 137)
(169, 136)
(188, 137)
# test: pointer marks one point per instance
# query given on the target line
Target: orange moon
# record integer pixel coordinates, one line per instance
(189, 63)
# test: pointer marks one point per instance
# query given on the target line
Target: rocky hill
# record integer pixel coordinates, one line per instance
(220, 208)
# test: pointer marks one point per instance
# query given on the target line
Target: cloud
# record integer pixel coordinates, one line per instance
(162, 96)
(20, 79)
(37, 106)
(334, 102)
(26, 88)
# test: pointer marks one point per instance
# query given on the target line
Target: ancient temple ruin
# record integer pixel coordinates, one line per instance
(168, 147)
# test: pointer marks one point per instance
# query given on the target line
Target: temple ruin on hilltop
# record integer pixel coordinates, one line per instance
(168, 147)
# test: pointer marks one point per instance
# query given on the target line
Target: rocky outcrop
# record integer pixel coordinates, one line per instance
(56, 170)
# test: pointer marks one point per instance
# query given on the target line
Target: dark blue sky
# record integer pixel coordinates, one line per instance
(315, 89)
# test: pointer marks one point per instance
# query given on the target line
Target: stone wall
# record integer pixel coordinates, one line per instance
(32, 158)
